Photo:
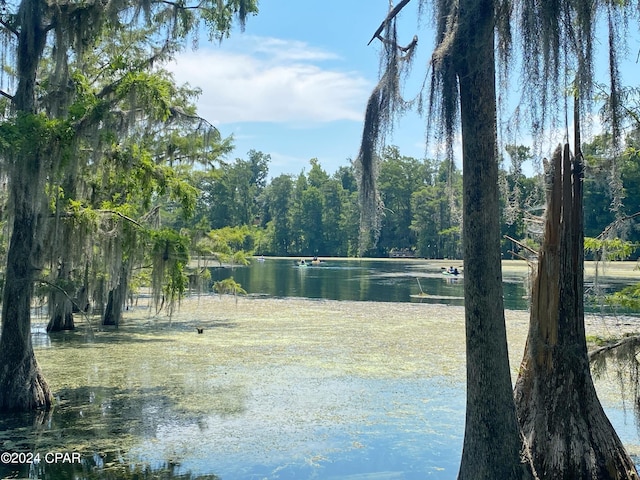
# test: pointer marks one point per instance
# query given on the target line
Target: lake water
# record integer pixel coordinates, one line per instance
(364, 280)
(385, 281)
(355, 379)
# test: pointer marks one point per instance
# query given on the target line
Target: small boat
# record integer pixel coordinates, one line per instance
(454, 272)
(302, 263)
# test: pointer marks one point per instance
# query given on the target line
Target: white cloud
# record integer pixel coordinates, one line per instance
(287, 50)
(271, 80)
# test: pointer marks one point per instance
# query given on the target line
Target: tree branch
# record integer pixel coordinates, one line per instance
(633, 340)
(121, 215)
(179, 6)
(9, 27)
(413, 43)
(81, 310)
(106, 211)
(615, 224)
(516, 254)
(521, 245)
(392, 14)
(6, 95)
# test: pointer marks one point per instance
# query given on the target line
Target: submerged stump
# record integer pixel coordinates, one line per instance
(568, 433)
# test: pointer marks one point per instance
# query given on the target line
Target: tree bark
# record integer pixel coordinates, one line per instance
(493, 445)
(61, 314)
(116, 298)
(60, 305)
(22, 386)
(568, 433)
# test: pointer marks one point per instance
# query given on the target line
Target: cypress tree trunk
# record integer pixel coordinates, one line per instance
(22, 386)
(61, 314)
(492, 442)
(567, 430)
(60, 306)
(116, 299)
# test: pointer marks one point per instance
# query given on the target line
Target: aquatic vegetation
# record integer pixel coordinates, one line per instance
(286, 385)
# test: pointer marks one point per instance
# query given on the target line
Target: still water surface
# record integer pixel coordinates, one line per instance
(391, 281)
(362, 382)
(364, 280)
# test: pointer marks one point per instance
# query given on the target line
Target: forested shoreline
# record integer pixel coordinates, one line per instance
(317, 212)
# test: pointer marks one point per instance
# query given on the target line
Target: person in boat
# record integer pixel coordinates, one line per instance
(452, 270)
(302, 262)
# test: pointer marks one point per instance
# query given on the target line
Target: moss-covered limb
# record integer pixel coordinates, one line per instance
(609, 346)
(384, 105)
(170, 256)
(616, 224)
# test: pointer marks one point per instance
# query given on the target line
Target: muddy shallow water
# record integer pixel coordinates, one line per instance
(272, 388)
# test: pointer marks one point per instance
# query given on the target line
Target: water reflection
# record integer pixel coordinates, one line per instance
(407, 431)
(100, 425)
(380, 281)
(358, 280)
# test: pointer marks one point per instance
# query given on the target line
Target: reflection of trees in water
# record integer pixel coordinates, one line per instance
(103, 424)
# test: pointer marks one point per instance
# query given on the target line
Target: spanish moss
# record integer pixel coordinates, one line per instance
(384, 106)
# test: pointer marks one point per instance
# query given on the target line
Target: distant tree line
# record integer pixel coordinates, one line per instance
(316, 213)
(182, 207)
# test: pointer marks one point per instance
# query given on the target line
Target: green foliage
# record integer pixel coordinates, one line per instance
(29, 134)
(232, 245)
(628, 297)
(228, 285)
(218, 14)
(151, 92)
(170, 255)
(230, 194)
(609, 249)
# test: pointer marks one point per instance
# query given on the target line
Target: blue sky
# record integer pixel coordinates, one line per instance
(295, 83)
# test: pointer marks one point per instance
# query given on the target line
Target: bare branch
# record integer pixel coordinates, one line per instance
(121, 215)
(411, 45)
(81, 310)
(521, 257)
(6, 95)
(392, 14)
(9, 27)
(408, 48)
(615, 224)
(521, 245)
